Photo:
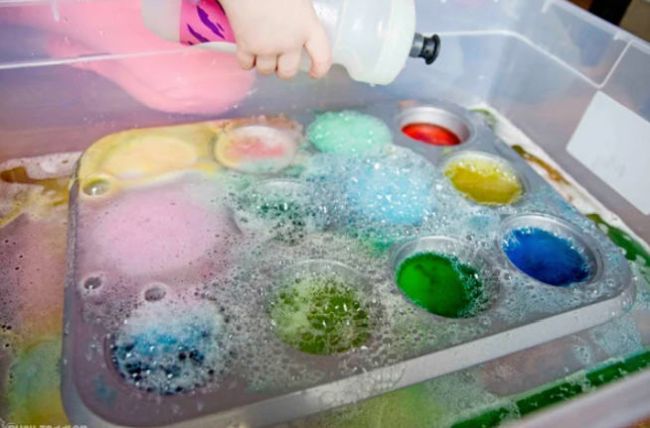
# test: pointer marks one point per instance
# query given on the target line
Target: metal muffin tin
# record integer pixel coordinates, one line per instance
(96, 395)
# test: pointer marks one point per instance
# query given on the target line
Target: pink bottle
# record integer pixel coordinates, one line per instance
(189, 82)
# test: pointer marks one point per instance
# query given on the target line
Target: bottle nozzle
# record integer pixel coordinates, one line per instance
(426, 47)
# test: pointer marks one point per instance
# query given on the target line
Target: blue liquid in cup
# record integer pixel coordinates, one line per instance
(547, 257)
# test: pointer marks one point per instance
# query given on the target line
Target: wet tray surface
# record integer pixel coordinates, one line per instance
(260, 269)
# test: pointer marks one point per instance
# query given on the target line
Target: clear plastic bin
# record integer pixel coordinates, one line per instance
(68, 76)
(539, 63)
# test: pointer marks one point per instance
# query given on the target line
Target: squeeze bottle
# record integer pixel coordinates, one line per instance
(372, 39)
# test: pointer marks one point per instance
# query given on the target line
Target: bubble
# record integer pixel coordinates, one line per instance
(155, 293)
(93, 283)
(390, 194)
(97, 187)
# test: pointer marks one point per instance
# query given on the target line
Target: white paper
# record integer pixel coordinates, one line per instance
(614, 143)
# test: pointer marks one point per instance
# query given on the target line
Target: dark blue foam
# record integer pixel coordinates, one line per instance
(546, 257)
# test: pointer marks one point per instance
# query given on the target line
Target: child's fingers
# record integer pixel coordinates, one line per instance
(246, 60)
(266, 64)
(319, 51)
(288, 64)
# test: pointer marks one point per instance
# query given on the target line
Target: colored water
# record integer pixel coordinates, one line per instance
(349, 133)
(402, 406)
(379, 198)
(168, 357)
(484, 180)
(56, 188)
(634, 250)
(390, 192)
(257, 149)
(552, 173)
(546, 257)
(149, 157)
(320, 315)
(431, 134)
(126, 234)
(442, 285)
(282, 210)
(33, 397)
(556, 393)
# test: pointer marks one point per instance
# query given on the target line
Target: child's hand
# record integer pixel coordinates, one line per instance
(271, 35)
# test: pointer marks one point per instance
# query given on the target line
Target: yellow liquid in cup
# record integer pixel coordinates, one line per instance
(484, 180)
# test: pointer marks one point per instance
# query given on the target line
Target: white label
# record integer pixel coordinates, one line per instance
(614, 143)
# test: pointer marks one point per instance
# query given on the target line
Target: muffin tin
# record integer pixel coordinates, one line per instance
(198, 245)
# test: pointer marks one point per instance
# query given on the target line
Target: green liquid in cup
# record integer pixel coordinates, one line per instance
(320, 315)
(442, 285)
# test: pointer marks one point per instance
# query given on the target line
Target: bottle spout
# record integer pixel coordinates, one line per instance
(426, 47)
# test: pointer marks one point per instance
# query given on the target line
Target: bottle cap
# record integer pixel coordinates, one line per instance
(426, 47)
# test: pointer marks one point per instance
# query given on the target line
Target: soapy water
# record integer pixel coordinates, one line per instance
(320, 314)
(149, 157)
(257, 149)
(127, 233)
(171, 347)
(390, 194)
(349, 133)
(382, 198)
(227, 234)
(279, 209)
(454, 396)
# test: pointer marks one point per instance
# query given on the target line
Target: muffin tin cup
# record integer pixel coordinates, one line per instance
(315, 269)
(281, 133)
(470, 130)
(281, 189)
(450, 247)
(260, 189)
(523, 180)
(587, 246)
(430, 115)
(116, 379)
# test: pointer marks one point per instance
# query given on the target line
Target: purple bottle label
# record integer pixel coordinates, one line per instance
(204, 21)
